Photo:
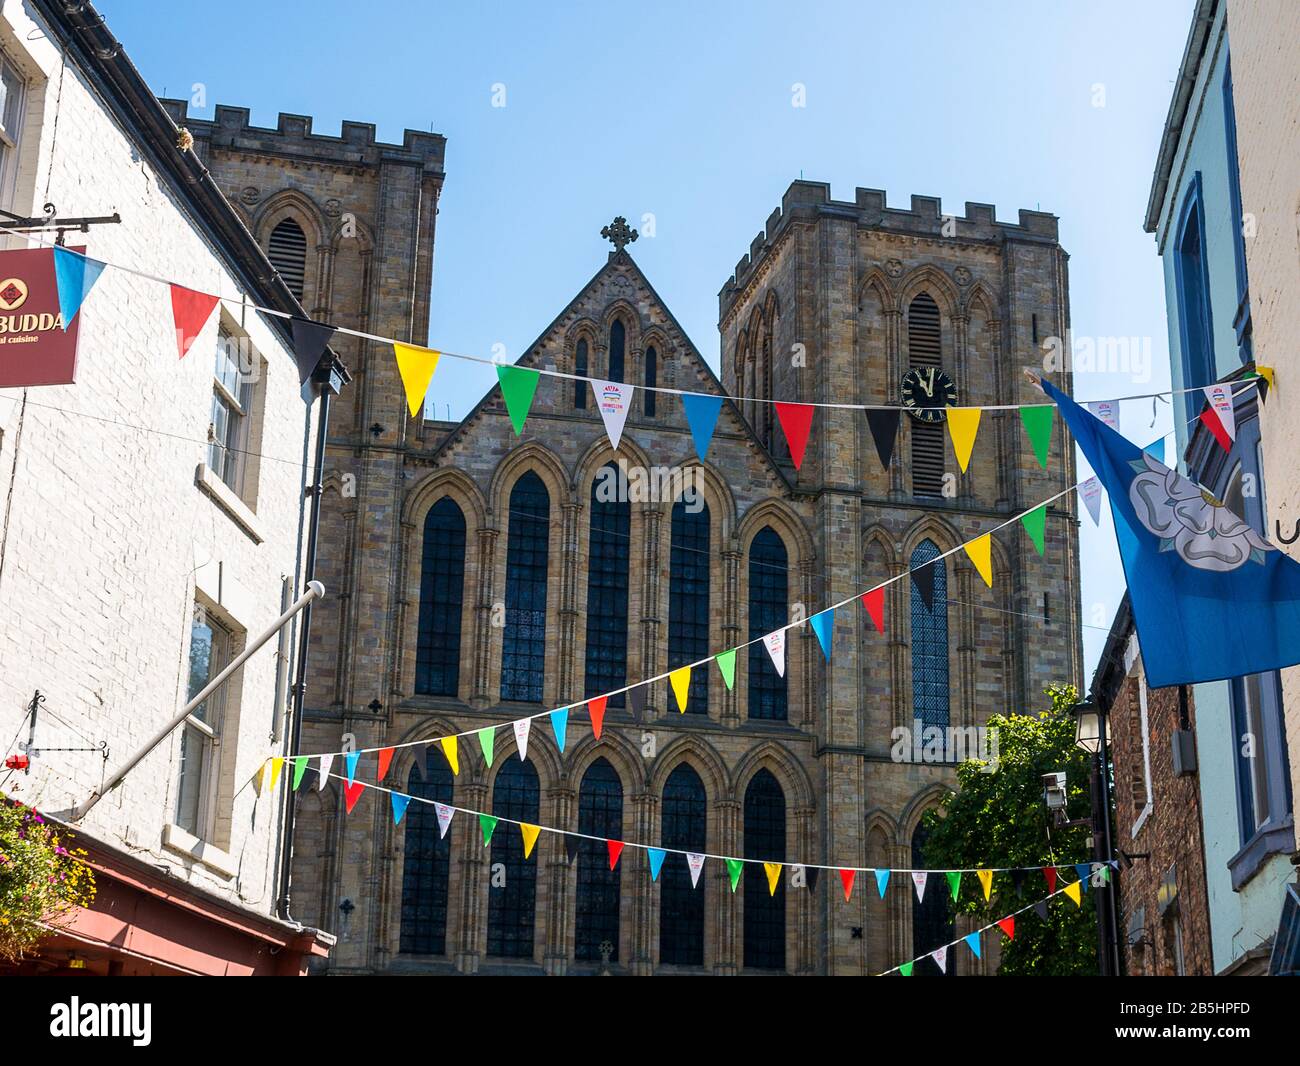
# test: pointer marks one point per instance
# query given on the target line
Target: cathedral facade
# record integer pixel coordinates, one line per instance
(477, 576)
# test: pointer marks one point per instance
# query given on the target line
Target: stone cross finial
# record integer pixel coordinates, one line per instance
(619, 233)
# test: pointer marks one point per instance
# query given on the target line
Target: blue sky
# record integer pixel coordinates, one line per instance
(683, 111)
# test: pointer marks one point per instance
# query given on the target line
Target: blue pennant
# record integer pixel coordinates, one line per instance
(656, 862)
(882, 879)
(823, 624)
(973, 942)
(350, 760)
(400, 803)
(560, 725)
(74, 275)
(702, 415)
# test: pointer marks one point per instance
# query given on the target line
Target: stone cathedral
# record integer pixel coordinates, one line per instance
(476, 576)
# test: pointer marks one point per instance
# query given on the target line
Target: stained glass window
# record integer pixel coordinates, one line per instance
(427, 862)
(523, 644)
(607, 583)
(767, 611)
(600, 814)
(512, 906)
(442, 590)
(688, 598)
(681, 906)
(765, 840)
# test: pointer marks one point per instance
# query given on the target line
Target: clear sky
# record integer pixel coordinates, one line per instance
(684, 111)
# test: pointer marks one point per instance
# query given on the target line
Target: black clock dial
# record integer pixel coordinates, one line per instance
(927, 391)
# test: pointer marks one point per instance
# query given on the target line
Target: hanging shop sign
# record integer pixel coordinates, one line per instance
(37, 345)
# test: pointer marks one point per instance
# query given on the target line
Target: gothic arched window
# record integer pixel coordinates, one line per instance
(287, 250)
(608, 552)
(932, 925)
(512, 906)
(681, 905)
(523, 644)
(427, 861)
(617, 349)
(768, 610)
(688, 598)
(580, 369)
(764, 840)
(600, 814)
(924, 350)
(651, 381)
(930, 639)
(442, 593)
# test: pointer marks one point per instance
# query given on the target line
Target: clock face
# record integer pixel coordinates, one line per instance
(927, 391)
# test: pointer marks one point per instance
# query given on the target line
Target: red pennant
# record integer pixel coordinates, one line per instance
(190, 312)
(846, 877)
(874, 602)
(1008, 926)
(1050, 873)
(385, 759)
(596, 708)
(796, 421)
(352, 793)
(615, 850)
(1210, 417)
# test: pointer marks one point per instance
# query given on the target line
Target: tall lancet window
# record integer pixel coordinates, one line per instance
(608, 551)
(512, 904)
(930, 639)
(427, 861)
(764, 841)
(600, 814)
(768, 610)
(523, 644)
(442, 590)
(617, 350)
(688, 597)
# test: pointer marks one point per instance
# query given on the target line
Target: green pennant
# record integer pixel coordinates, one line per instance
(518, 384)
(487, 741)
(1105, 873)
(299, 765)
(1037, 421)
(906, 969)
(954, 881)
(488, 824)
(726, 661)
(734, 866)
(1035, 523)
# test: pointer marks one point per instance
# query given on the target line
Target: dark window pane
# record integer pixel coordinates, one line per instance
(523, 645)
(930, 643)
(611, 535)
(442, 589)
(580, 368)
(681, 906)
(688, 599)
(427, 862)
(600, 813)
(512, 907)
(767, 611)
(617, 350)
(651, 380)
(765, 840)
(932, 925)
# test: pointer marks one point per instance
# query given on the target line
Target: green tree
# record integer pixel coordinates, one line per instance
(998, 818)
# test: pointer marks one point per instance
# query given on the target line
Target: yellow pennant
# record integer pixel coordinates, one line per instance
(963, 424)
(416, 365)
(1266, 372)
(259, 776)
(986, 879)
(1072, 890)
(449, 750)
(530, 836)
(277, 764)
(773, 876)
(680, 679)
(980, 551)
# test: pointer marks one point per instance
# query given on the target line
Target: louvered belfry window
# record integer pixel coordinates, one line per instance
(287, 250)
(924, 350)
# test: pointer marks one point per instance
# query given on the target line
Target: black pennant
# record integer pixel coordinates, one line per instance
(571, 846)
(636, 698)
(923, 579)
(420, 753)
(884, 431)
(1040, 908)
(310, 340)
(1262, 389)
(811, 872)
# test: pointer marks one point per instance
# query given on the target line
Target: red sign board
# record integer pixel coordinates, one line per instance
(34, 347)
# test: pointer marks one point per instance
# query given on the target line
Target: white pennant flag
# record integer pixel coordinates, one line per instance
(1090, 494)
(521, 736)
(326, 761)
(696, 863)
(1220, 397)
(918, 879)
(940, 955)
(775, 645)
(613, 400)
(1107, 411)
(444, 818)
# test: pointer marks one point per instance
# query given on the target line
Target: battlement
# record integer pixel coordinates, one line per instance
(293, 136)
(809, 200)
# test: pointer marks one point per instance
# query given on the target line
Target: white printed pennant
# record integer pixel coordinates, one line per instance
(326, 761)
(444, 817)
(775, 645)
(613, 400)
(1220, 397)
(696, 863)
(1107, 411)
(521, 735)
(918, 879)
(1090, 494)
(940, 955)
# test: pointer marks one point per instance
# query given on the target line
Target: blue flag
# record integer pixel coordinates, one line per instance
(656, 862)
(1212, 599)
(400, 803)
(823, 625)
(702, 416)
(73, 276)
(882, 879)
(560, 725)
(350, 762)
(973, 942)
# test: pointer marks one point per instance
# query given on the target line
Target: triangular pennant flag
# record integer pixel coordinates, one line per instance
(518, 383)
(299, 767)
(415, 366)
(400, 803)
(882, 880)
(310, 339)
(1090, 494)
(980, 551)
(277, 764)
(530, 834)
(811, 873)
(1008, 926)
(1083, 870)
(444, 818)
(572, 847)
(773, 871)
(1037, 421)
(884, 431)
(726, 661)
(636, 698)
(487, 740)
(385, 760)
(1156, 449)
(596, 708)
(796, 421)
(449, 749)
(954, 881)
(823, 624)
(846, 879)
(656, 856)
(1266, 372)
(701, 416)
(923, 579)
(522, 726)
(734, 866)
(680, 680)
(1040, 908)
(190, 313)
(1220, 398)
(352, 793)
(1107, 411)
(919, 877)
(488, 824)
(350, 760)
(560, 725)
(906, 969)
(940, 956)
(986, 882)
(973, 942)
(1073, 891)
(74, 275)
(420, 757)
(695, 863)
(323, 775)
(1049, 872)
(774, 642)
(613, 401)
(1210, 419)
(963, 424)
(1035, 523)
(1105, 873)
(615, 849)
(874, 602)
(259, 776)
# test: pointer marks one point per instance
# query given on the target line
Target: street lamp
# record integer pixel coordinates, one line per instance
(1091, 733)
(1088, 724)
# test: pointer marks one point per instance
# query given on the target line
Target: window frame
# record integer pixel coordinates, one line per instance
(11, 138)
(206, 723)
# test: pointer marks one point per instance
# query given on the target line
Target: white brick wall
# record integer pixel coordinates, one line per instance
(108, 536)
